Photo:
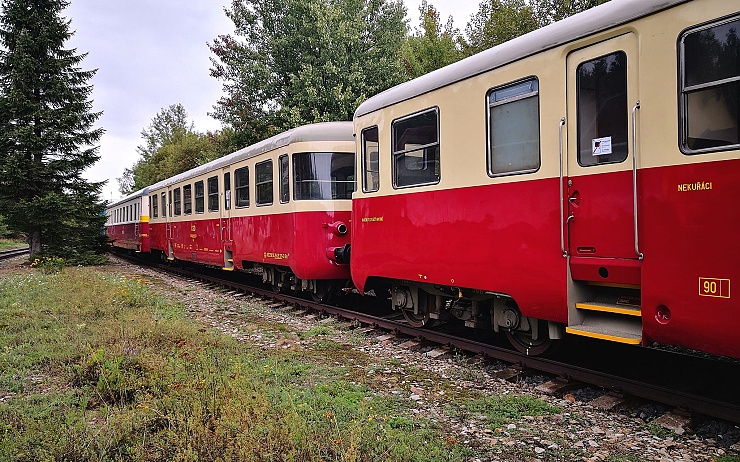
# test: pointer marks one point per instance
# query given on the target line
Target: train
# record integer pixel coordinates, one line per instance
(579, 180)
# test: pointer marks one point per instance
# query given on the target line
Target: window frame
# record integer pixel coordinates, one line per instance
(209, 182)
(489, 105)
(202, 201)
(424, 147)
(684, 91)
(177, 200)
(628, 151)
(187, 200)
(238, 189)
(257, 184)
(164, 204)
(227, 190)
(363, 157)
(284, 174)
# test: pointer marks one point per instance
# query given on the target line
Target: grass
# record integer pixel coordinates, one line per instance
(96, 366)
(11, 244)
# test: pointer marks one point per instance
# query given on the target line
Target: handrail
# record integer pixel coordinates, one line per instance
(562, 199)
(640, 255)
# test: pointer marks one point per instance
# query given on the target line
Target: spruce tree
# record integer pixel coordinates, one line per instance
(47, 138)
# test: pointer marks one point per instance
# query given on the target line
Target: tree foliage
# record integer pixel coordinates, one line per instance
(432, 45)
(171, 146)
(498, 21)
(293, 62)
(47, 133)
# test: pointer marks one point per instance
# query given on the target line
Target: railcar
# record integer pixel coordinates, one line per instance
(579, 180)
(127, 224)
(280, 208)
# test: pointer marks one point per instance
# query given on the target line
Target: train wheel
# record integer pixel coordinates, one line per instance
(523, 343)
(323, 292)
(418, 320)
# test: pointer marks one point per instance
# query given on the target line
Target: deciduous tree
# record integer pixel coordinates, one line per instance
(47, 133)
(293, 62)
(432, 46)
(171, 146)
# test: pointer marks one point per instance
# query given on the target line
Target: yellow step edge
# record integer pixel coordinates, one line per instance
(230, 260)
(609, 309)
(611, 338)
(170, 258)
(227, 269)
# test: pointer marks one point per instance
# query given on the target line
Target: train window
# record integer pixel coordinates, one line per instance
(155, 205)
(136, 212)
(602, 110)
(199, 197)
(710, 83)
(178, 202)
(164, 205)
(323, 175)
(284, 179)
(370, 160)
(227, 191)
(514, 128)
(241, 186)
(263, 172)
(187, 199)
(213, 194)
(416, 149)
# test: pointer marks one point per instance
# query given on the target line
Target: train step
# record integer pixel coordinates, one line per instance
(602, 333)
(611, 322)
(628, 310)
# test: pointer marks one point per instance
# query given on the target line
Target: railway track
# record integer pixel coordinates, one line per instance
(690, 385)
(6, 254)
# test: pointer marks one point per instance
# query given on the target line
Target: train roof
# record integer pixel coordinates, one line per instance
(324, 131)
(133, 195)
(589, 22)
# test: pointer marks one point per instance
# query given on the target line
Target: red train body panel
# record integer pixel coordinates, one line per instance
(465, 238)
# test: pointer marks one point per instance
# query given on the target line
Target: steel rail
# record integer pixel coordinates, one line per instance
(664, 395)
(6, 254)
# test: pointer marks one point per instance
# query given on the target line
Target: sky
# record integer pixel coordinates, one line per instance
(150, 54)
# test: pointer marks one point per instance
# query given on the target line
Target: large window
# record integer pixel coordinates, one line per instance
(370, 160)
(416, 149)
(710, 80)
(284, 179)
(187, 198)
(213, 194)
(153, 203)
(164, 205)
(199, 197)
(241, 186)
(263, 172)
(514, 128)
(323, 175)
(602, 110)
(178, 202)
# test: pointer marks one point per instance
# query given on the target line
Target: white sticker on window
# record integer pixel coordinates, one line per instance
(601, 146)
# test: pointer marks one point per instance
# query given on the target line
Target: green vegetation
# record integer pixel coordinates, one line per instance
(11, 244)
(501, 409)
(95, 366)
(47, 135)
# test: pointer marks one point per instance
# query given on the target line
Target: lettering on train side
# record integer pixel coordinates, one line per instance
(276, 256)
(698, 186)
(371, 219)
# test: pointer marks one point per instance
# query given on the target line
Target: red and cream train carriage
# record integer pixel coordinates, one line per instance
(280, 207)
(127, 224)
(582, 178)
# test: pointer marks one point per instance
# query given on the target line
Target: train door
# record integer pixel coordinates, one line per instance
(602, 193)
(167, 209)
(601, 199)
(225, 219)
